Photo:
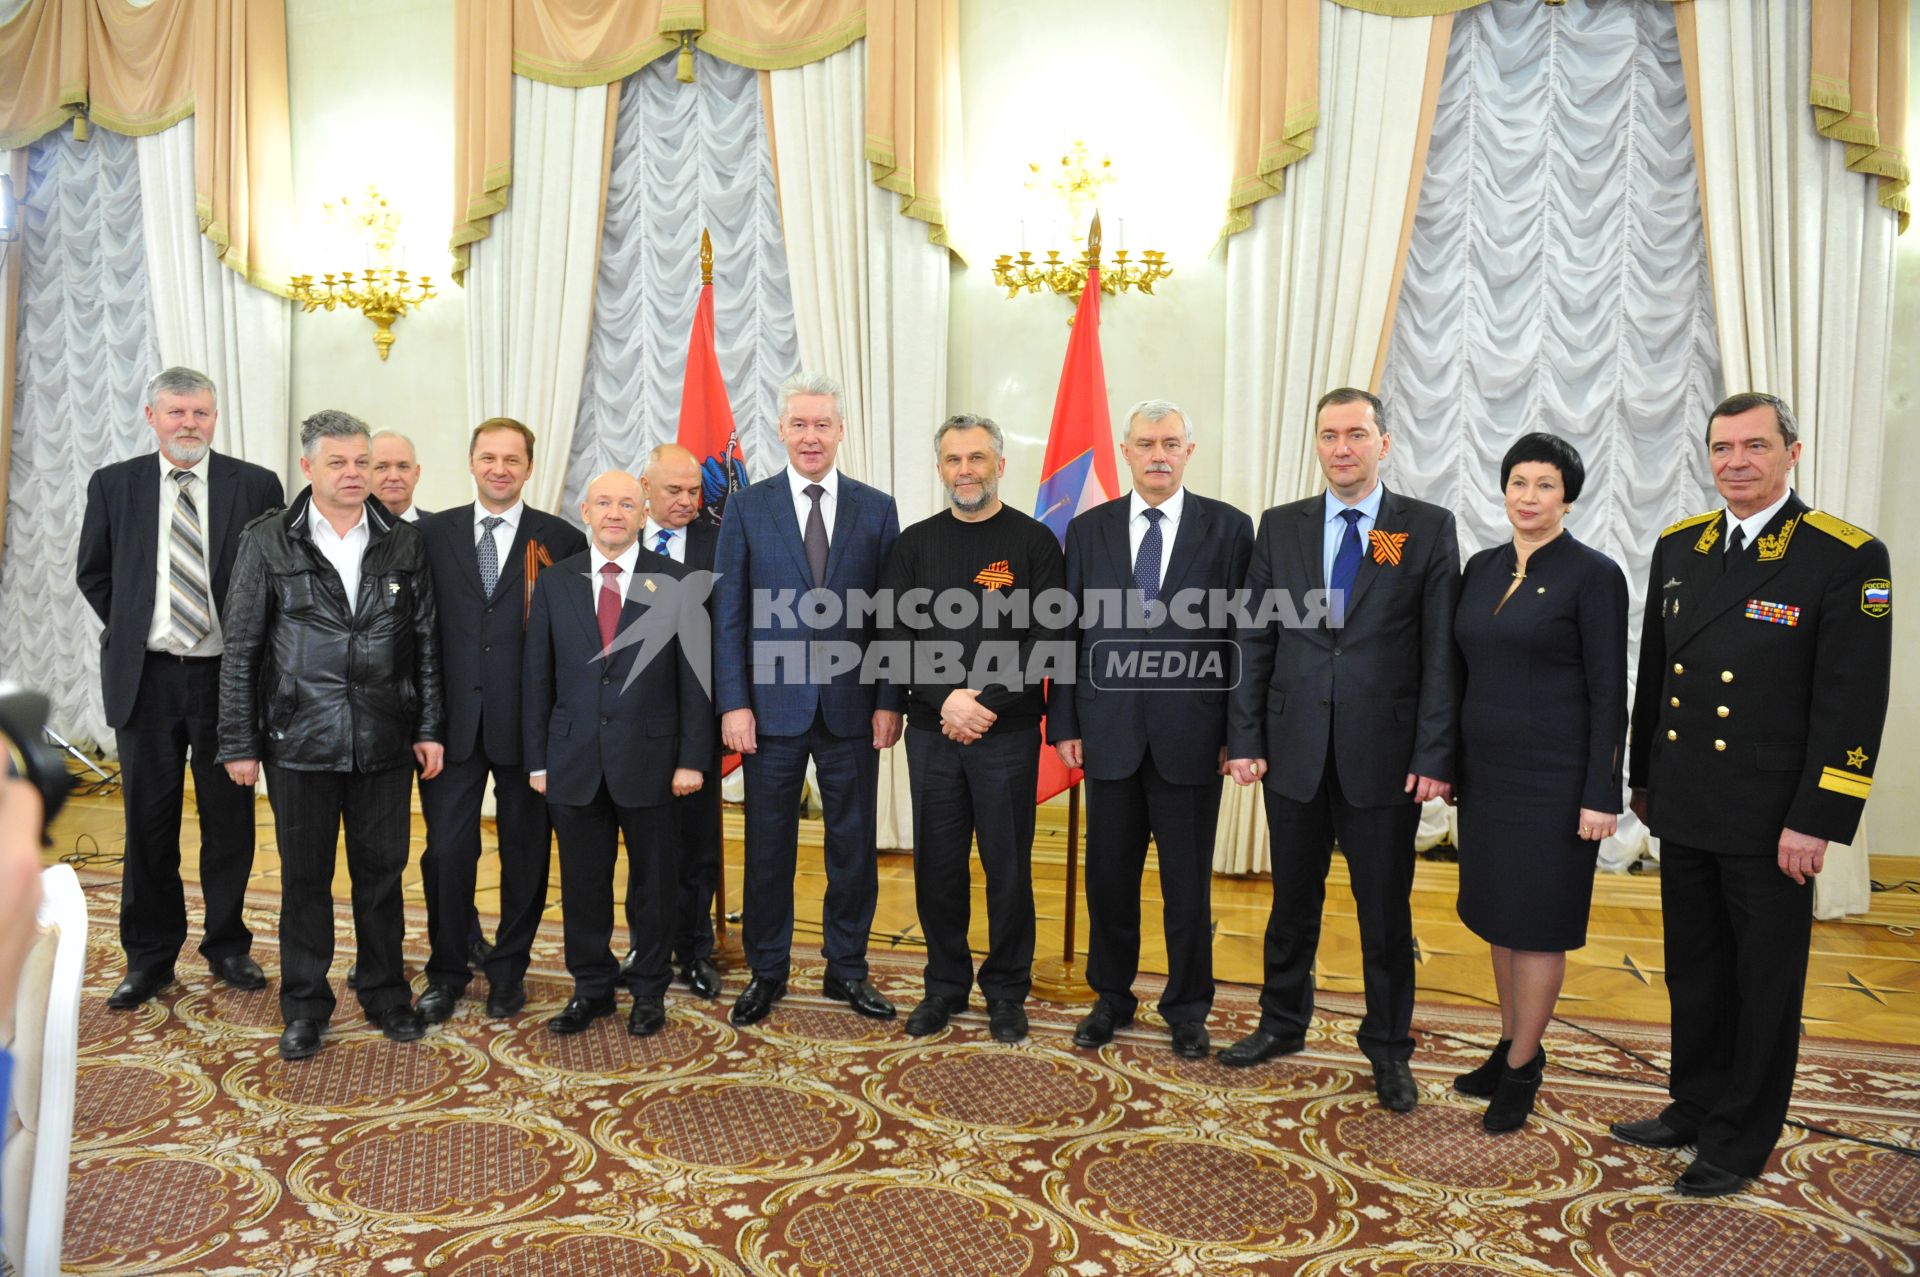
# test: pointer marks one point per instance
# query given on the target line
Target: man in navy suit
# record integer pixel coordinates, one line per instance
(807, 528)
(156, 555)
(1348, 717)
(614, 730)
(1154, 752)
(484, 556)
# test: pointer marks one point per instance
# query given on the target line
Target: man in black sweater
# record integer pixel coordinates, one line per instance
(973, 641)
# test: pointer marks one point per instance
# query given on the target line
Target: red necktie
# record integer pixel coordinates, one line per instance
(609, 604)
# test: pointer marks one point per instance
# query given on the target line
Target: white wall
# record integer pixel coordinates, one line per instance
(1131, 82)
(370, 87)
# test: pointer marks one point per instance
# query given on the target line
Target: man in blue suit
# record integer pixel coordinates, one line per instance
(808, 528)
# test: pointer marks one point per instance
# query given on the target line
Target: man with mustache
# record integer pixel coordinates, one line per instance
(157, 548)
(973, 736)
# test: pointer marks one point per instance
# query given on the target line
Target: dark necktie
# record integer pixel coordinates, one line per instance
(188, 604)
(489, 554)
(1738, 541)
(816, 537)
(1346, 566)
(609, 604)
(661, 542)
(1146, 564)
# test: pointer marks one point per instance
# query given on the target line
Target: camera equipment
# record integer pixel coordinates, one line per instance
(23, 721)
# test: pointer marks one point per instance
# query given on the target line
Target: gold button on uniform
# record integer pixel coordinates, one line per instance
(1674, 701)
(1723, 711)
(1678, 668)
(1720, 745)
(1672, 735)
(1726, 676)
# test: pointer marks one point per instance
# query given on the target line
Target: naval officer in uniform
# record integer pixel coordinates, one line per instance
(1764, 662)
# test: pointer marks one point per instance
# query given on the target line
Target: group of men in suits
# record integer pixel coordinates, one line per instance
(1342, 707)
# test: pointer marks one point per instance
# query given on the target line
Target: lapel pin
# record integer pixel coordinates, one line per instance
(393, 587)
(651, 587)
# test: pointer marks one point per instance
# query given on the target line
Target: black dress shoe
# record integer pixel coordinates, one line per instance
(579, 1014)
(1650, 1133)
(1485, 1080)
(436, 1003)
(1190, 1039)
(1098, 1027)
(1259, 1046)
(138, 987)
(626, 963)
(239, 972)
(1394, 1085)
(1512, 1102)
(301, 1039)
(353, 975)
(400, 1023)
(932, 1014)
(477, 954)
(756, 1000)
(1704, 1179)
(702, 977)
(504, 1000)
(1006, 1019)
(648, 1017)
(859, 995)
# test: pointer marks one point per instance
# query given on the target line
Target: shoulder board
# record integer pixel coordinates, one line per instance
(1693, 522)
(1838, 529)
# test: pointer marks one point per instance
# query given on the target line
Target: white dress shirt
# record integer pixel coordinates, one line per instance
(677, 537)
(1336, 527)
(623, 582)
(160, 633)
(410, 515)
(803, 504)
(1137, 524)
(1754, 525)
(343, 552)
(503, 533)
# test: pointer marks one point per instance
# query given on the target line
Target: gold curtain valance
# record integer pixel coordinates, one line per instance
(1858, 87)
(912, 77)
(140, 69)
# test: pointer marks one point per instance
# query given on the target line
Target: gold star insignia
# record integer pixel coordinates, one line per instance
(1856, 758)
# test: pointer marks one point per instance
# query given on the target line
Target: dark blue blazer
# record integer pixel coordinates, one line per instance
(760, 553)
(117, 563)
(481, 634)
(581, 722)
(1183, 726)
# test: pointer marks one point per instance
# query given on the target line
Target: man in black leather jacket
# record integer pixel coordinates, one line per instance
(332, 678)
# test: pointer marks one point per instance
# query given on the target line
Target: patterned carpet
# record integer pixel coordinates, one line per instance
(820, 1144)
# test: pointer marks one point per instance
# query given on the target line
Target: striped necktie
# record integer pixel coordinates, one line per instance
(189, 599)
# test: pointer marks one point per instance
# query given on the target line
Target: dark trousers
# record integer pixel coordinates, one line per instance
(1737, 932)
(1181, 819)
(697, 816)
(1378, 845)
(848, 771)
(175, 722)
(451, 804)
(309, 808)
(962, 794)
(589, 847)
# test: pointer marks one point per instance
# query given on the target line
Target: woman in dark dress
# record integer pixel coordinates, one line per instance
(1542, 633)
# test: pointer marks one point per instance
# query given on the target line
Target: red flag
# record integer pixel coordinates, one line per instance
(706, 427)
(1078, 472)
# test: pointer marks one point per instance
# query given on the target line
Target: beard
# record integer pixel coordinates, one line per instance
(183, 453)
(989, 489)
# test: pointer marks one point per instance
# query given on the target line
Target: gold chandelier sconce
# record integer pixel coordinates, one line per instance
(1077, 184)
(382, 292)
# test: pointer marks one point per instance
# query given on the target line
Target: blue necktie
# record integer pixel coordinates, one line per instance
(1146, 564)
(1346, 566)
(660, 544)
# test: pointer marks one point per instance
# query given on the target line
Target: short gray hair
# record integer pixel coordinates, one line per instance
(1733, 407)
(811, 383)
(1157, 410)
(179, 381)
(971, 421)
(330, 423)
(395, 434)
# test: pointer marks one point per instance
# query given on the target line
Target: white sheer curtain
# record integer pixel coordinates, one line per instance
(84, 350)
(685, 156)
(1557, 280)
(207, 317)
(870, 309)
(530, 282)
(1802, 281)
(1307, 292)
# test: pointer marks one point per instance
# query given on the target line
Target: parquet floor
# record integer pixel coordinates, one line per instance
(1863, 981)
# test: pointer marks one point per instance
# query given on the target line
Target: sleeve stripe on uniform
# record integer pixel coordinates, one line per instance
(1853, 786)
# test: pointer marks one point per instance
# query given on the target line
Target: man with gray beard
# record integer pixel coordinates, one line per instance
(973, 729)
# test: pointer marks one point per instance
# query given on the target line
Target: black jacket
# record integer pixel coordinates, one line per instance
(480, 635)
(118, 549)
(1763, 682)
(307, 683)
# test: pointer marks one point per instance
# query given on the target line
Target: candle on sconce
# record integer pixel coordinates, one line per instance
(1123, 235)
(1023, 234)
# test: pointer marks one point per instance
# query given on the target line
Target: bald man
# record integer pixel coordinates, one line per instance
(396, 473)
(610, 740)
